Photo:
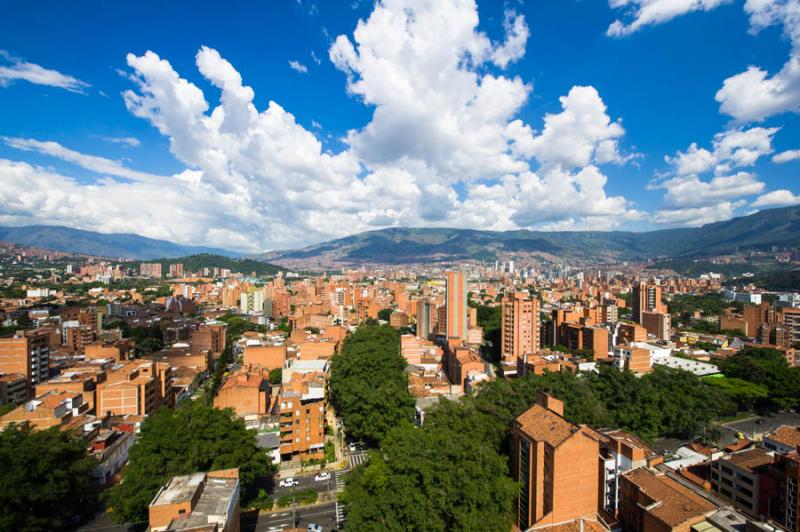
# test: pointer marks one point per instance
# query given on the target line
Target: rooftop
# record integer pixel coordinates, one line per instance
(543, 424)
(750, 459)
(670, 502)
(786, 435)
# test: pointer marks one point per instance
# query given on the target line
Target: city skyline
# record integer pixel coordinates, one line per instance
(324, 122)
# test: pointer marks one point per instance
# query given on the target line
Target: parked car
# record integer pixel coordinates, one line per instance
(314, 527)
(289, 482)
(324, 475)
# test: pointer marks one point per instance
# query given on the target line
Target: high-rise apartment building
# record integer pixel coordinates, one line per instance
(646, 297)
(519, 331)
(456, 305)
(150, 269)
(424, 317)
(658, 324)
(26, 353)
(556, 464)
(176, 270)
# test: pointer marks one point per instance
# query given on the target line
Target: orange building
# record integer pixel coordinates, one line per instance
(658, 324)
(461, 362)
(519, 330)
(302, 416)
(199, 502)
(266, 356)
(52, 409)
(646, 297)
(656, 503)
(456, 305)
(246, 392)
(26, 353)
(138, 388)
(211, 338)
(556, 464)
(117, 349)
(631, 332)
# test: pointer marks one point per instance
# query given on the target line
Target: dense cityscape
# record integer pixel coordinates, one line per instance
(400, 265)
(171, 395)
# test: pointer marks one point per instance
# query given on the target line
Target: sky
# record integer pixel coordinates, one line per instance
(263, 125)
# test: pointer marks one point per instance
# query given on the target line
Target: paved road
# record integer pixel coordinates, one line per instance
(307, 482)
(328, 516)
(729, 430)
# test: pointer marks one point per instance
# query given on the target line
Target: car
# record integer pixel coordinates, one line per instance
(289, 482)
(314, 527)
(323, 475)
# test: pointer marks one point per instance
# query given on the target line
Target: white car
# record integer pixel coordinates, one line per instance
(288, 483)
(322, 476)
(314, 527)
(352, 447)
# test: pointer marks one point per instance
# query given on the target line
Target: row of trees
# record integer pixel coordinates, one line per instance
(452, 473)
(368, 385)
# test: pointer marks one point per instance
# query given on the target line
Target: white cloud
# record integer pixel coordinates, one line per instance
(297, 66)
(17, 69)
(691, 191)
(444, 121)
(101, 165)
(776, 198)
(641, 13)
(754, 95)
(697, 216)
(516, 39)
(581, 133)
(131, 142)
(733, 148)
(786, 156)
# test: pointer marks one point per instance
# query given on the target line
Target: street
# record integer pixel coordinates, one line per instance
(307, 482)
(328, 516)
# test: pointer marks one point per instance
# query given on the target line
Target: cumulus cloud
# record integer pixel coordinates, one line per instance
(443, 120)
(297, 66)
(13, 68)
(786, 156)
(777, 198)
(732, 148)
(754, 95)
(641, 13)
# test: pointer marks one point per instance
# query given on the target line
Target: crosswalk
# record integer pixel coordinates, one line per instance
(358, 458)
(340, 514)
(339, 478)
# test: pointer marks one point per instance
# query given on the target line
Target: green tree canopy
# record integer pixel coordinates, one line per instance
(43, 479)
(193, 438)
(769, 368)
(369, 387)
(431, 478)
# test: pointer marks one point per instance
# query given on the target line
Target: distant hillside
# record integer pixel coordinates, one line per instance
(101, 244)
(758, 231)
(195, 263)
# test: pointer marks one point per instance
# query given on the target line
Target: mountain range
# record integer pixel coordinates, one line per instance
(397, 245)
(759, 231)
(112, 245)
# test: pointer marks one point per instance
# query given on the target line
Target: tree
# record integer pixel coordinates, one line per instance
(431, 478)
(275, 376)
(369, 387)
(194, 438)
(769, 368)
(384, 314)
(745, 394)
(44, 479)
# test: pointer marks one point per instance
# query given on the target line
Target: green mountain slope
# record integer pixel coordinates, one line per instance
(759, 231)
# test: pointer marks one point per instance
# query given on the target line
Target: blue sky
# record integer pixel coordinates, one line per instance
(554, 114)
